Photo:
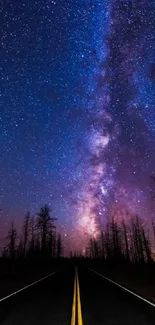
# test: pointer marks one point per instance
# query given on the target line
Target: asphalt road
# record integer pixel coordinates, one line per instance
(51, 302)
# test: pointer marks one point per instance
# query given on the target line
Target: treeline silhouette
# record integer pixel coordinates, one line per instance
(122, 242)
(38, 238)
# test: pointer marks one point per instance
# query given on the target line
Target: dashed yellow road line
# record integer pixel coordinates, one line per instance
(76, 306)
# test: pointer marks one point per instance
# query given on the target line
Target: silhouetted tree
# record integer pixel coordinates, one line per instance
(20, 250)
(138, 239)
(32, 235)
(120, 243)
(26, 228)
(153, 227)
(147, 246)
(91, 248)
(59, 246)
(11, 239)
(45, 226)
(52, 238)
(102, 240)
(125, 233)
(108, 249)
(116, 240)
(43, 223)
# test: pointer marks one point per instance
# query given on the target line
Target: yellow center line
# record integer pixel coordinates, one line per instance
(76, 302)
(80, 322)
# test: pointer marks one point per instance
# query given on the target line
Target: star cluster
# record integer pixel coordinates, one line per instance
(77, 110)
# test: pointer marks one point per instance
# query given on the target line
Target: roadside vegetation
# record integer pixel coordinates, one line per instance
(125, 252)
(31, 252)
(38, 238)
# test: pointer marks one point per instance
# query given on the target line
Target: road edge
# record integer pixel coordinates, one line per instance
(28, 286)
(124, 288)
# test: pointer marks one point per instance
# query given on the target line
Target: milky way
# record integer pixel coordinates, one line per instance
(77, 111)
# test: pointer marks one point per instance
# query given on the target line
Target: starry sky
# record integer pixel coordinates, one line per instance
(77, 117)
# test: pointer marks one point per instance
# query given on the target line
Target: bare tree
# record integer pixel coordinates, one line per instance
(116, 240)
(11, 238)
(102, 240)
(137, 232)
(20, 248)
(125, 233)
(59, 246)
(26, 228)
(31, 235)
(52, 239)
(108, 249)
(153, 227)
(44, 224)
(147, 246)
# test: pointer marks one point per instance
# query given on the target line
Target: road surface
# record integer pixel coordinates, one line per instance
(70, 297)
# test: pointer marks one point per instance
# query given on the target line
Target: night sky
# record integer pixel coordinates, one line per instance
(77, 116)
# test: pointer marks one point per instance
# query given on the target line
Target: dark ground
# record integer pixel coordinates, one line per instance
(139, 278)
(50, 302)
(15, 275)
